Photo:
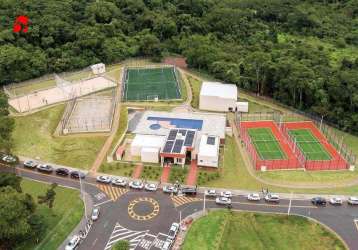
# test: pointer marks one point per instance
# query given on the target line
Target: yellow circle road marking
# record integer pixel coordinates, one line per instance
(151, 215)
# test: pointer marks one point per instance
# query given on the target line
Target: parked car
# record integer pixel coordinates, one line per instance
(30, 164)
(45, 168)
(119, 182)
(73, 243)
(211, 193)
(352, 200)
(167, 244)
(272, 198)
(189, 191)
(170, 189)
(223, 200)
(77, 174)
(336, 201)
(9, 159)
(104, 179)
(136, 185)
(253, 197)
(150, 187)
(173, 230)
(95, 214)
(226, 194)
(62, 171)
(319, 201)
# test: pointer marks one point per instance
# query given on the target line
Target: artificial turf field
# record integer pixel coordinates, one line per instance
(266, 144)
(309, 144)
(143, 84)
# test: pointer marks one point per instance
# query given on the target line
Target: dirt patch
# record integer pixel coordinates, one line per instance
(176, 61)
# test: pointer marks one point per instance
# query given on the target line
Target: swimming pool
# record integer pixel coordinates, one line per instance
(179, 122)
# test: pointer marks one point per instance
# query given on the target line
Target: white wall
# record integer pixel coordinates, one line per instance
(150, 155)
(207, 161)
(214, 103)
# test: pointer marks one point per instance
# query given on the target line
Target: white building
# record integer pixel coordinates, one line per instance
(147, 147)
(99, 68)
(208, 154)
(216, 96)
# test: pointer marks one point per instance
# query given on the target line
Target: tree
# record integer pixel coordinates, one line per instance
(121, 245)
(6, 124)
(7, 179)
(16, 211)
(49, 197)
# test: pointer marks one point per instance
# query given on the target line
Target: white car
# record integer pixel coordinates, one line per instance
(335, 201)
(352, 200)
(226, 194)
(95, 214)
(150, 187)
(73, 243)
(104, 179)
(136, 185)
(253, 197)
(173, 231)
(211, 193)
(119, 182)
(170, 189)
(9, 159)
(223, 200)
(272, 198)
(167, 244)
(30, 164)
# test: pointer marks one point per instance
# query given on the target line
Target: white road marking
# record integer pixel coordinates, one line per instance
(94, 242)
(101, 203)
(120, 233)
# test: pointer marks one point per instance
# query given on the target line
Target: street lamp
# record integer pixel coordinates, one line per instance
(83, 198)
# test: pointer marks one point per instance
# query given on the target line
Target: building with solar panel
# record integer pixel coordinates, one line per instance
(184, 136)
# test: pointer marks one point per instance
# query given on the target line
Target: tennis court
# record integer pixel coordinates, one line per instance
(266, 144)
(148, 84)
(310, 146)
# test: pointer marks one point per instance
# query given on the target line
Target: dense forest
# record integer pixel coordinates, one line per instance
(301, 52)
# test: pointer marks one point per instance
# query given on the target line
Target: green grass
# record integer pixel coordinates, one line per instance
(243, 230)
(144, 82)
(122, 127)
(266, 144)
(60, 220)
(152, 173)
(178, 174)
(309, 145)
(33, 137)
(195, 89)
(117, 168)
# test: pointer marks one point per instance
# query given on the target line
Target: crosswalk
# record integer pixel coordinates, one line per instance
(181, 200)
(122, 233)
(113, 193)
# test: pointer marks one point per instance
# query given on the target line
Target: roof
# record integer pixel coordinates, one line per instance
(148, 141)
(150, 150)
(209, 146)
(98, 65)
(222, 90)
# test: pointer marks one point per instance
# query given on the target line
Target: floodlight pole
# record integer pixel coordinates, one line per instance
(320, 125)
(289, 205)
(204, 203)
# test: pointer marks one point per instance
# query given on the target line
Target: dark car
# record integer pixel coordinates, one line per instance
(77, 175)
(189, 191)
(62, 171)
(319, 201)
(45, 168)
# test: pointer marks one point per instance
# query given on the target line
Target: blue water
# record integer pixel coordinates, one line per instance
(179, 123)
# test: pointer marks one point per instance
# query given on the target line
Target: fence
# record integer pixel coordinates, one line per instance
(342, 155)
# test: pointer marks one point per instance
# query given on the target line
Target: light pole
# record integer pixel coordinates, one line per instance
(83, 198)
(289, 205)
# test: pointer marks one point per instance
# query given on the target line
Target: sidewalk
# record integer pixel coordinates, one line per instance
(193, 171)
(165, 174)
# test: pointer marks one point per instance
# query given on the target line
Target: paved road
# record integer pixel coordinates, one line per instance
(144, 218)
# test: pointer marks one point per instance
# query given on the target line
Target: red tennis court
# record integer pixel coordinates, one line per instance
(336, 161)
(289, 162)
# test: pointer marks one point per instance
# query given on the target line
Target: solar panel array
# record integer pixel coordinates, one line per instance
(175, 143)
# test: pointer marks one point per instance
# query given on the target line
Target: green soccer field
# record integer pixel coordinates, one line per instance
(145, 84)
(309, 144)
(266, 144)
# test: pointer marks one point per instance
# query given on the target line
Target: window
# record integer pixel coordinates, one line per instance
(201, 160)
(210, 140)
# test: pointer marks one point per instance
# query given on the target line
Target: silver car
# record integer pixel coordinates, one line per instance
(136, 185)
(223, 201)
(119, 182)
(211, 193)
(352, 200)
(150, 187)
(104, 179)
(95, 214)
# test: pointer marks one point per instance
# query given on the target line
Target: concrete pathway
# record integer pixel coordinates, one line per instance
(193, 171)
(137, 171)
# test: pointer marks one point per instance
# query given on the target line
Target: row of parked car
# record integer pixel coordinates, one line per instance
(139, 185)
(336, 201)
(224, 198)
(46, 168)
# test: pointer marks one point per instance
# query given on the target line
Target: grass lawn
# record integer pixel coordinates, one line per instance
(123, 121)
(33, 137)
(195, 89)
(117, 168)
(61, 219)
(244, 230)
(151, 173)
(178, 174)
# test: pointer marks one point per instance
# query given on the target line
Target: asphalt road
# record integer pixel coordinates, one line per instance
(151, 214)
